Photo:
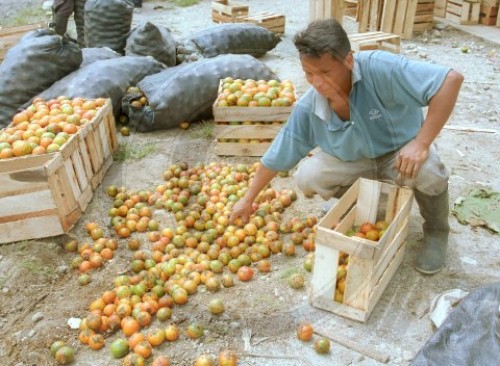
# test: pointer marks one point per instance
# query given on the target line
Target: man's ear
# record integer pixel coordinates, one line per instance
(349, 60)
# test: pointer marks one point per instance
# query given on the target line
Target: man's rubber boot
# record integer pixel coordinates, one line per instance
(435, 210)
(60, 24)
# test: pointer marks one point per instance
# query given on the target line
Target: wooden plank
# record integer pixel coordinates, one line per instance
(340, 338)
(409, 19)
(81, 175)
(24, 162)
(353, 245)
(426, 18)
(347, 222)
(229, 114)
(368, 198)
(440, 8)
(339, 309)
(99, 176)
(386, 278)
(388, 13)
(388, 254)
(24, 204)
(72, 178)
(498, 21)
(422, 27)
(476, 8)
(400, 16)
(365, 15)
(247, 131)
(30, 228)
(324, 277)
(341, 208)
(374, 20)
(241, 149)
(358, 285)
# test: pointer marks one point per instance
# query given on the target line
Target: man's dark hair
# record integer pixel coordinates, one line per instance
(323, 36)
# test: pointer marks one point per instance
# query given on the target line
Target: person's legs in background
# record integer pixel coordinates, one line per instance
(62, 10)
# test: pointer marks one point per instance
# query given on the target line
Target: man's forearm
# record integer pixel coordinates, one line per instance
(262, 177)
(440, 107)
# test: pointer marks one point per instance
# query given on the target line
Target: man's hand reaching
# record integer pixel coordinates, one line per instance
(411, 158)
(242, 209)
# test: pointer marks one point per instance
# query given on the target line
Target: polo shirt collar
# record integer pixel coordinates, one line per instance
(321, 106)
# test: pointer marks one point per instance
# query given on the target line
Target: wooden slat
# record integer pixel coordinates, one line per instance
(411, 10)
(30, 228)
(353, 245)
(341, 207)
(99, 176)
(358, 284)
(365, 15)
(24, 162)
(81, 175)
(241, 149)
(339, 309)
(72, 178)
(388, 16)
(368, 198)
(388, 254)
(24, 204)
(386, 278)
(324, 277)
(228, 114)
(400, 16)
(247, 131)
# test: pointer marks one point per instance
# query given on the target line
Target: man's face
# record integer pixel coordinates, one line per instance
(326, 74)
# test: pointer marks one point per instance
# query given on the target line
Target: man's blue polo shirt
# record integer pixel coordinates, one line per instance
(386, 102)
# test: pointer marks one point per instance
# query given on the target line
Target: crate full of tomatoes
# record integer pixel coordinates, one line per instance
(53, 155)
(249, 113)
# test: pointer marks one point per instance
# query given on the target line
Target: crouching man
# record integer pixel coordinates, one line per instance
(364, 111)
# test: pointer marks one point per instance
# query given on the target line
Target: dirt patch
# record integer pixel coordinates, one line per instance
(39, 292)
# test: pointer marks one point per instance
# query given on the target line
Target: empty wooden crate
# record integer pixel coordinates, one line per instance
(228, 11)
(271, 21)
(375, 41)
(44, 195)
(371, 264)
(463, 11)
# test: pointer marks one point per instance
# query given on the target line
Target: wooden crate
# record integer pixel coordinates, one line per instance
(371, 264)
(247, 138)
(375, 41)
(228, 11)
(326, 9)
(44, 195)
(463, 11)
(271, 21)
(9, 36)
(440, 8)
(351, 8)
(488, 14)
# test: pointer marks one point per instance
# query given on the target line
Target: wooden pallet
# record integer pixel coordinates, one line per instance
(375, 41)
(44, 195)
(463, 11)
(9, 36)
(228, 11)
(271, 21)
(403, 17)
(326, 9)
(488, 14)
(371, 264)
